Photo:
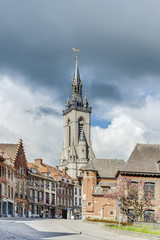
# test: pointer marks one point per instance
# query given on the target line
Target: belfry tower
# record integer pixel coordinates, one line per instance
(77, 149)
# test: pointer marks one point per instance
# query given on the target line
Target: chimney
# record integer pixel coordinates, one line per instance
(38, 161)
(64, 172)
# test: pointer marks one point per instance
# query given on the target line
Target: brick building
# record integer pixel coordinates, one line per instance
(49, 189)
(6, 185)
(77, 199)
(62, 192)
(16, 158)
(99, 179)
(144, 165)
(65, 196)
(35, 191)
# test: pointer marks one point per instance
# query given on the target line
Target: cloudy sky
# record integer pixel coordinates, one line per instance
(119, 64)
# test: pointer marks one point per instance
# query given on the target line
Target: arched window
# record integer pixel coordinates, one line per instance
(80, 126)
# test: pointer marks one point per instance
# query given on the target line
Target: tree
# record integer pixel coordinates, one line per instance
(133, 197)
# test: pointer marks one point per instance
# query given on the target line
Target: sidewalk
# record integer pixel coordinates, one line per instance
(19, 218)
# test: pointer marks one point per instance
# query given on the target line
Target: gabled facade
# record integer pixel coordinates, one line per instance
(17, 159)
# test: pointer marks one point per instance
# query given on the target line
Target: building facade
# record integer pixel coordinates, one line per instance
(77, 200)
(99, 178)
(65, 196)
(35, 192)
(7, 186)
(15, 156)
(58, 190)
(143, 166)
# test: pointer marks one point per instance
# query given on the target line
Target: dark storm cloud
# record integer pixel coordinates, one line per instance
(106, 91)
(43, 111)
(119, 43)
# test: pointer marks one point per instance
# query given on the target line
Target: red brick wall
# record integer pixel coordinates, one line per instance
(96, 206)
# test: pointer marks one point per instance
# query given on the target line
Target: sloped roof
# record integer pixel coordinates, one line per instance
(105, 167)
(89, 166)
(106, 184)
(143, 159)
(31, 165)
(9, 149)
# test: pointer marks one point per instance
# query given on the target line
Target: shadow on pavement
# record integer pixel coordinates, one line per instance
(21, 231)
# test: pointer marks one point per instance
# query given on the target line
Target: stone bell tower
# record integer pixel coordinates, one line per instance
(77, 149)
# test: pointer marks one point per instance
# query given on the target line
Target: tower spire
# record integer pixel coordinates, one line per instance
(76, 81)
(76, 74)
(76, 101)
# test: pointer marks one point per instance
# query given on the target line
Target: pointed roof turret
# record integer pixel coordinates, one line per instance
(62, 153)
(91, 153)
(89, 167)
(68, 101)
(85, 101)
(73, 150)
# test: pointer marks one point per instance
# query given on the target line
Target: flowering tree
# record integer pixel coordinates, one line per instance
(133, 198)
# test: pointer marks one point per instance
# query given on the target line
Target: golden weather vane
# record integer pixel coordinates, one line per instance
(76, 50)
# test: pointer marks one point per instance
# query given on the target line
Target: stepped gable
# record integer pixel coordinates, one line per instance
(11, 150)
(143, 159)
(105, 167)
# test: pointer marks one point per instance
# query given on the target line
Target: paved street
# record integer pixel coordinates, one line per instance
(33, 229)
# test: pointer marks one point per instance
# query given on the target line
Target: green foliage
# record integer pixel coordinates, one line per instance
(108, 221)
(134, 229)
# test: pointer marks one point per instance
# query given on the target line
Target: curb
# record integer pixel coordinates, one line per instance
(125, 232)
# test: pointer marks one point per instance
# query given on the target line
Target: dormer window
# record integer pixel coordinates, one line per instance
(33, 170)
(105, 189)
